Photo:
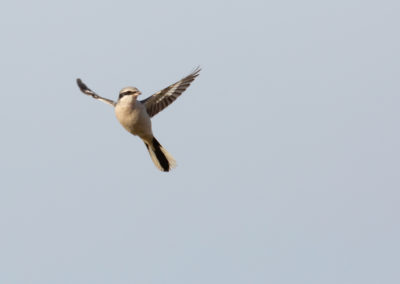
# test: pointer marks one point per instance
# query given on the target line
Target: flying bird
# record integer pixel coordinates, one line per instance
(135, 115)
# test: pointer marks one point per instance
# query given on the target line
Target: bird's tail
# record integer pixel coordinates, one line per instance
(161, 158)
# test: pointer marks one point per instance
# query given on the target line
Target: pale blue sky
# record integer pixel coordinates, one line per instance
(287, 143)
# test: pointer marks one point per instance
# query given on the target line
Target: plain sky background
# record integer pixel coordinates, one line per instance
(287, 143)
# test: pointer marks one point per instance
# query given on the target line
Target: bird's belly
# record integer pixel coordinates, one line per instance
(135, 121)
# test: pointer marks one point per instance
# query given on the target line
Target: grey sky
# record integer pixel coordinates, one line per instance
(287, 143)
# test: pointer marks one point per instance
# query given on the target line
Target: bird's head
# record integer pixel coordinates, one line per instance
(128, 92)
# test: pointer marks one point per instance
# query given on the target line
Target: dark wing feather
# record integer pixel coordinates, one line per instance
(89, 92)
(160, 100)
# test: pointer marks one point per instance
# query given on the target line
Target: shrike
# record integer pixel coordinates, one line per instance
(134, 115)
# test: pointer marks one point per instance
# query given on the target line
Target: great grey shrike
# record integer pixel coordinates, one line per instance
(134, 115)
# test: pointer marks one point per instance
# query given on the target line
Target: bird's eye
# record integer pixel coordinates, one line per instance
(125, 93)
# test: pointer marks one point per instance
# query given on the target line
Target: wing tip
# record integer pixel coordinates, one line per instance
(84, 89)
(81, 85)
(196, 71)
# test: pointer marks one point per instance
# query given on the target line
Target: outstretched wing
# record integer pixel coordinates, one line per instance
(159, 101)
(89, 92)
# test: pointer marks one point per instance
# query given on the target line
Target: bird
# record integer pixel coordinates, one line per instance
(135, 115)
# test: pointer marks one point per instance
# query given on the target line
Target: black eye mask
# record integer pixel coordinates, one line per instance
(125, 93)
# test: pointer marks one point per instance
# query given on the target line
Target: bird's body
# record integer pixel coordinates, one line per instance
(135, 116)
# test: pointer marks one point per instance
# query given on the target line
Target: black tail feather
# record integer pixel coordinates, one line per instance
(161, 158)
(160, 155)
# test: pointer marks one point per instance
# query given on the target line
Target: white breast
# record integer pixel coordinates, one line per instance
(133, 117)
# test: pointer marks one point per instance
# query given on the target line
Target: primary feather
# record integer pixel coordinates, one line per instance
(160, 100)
